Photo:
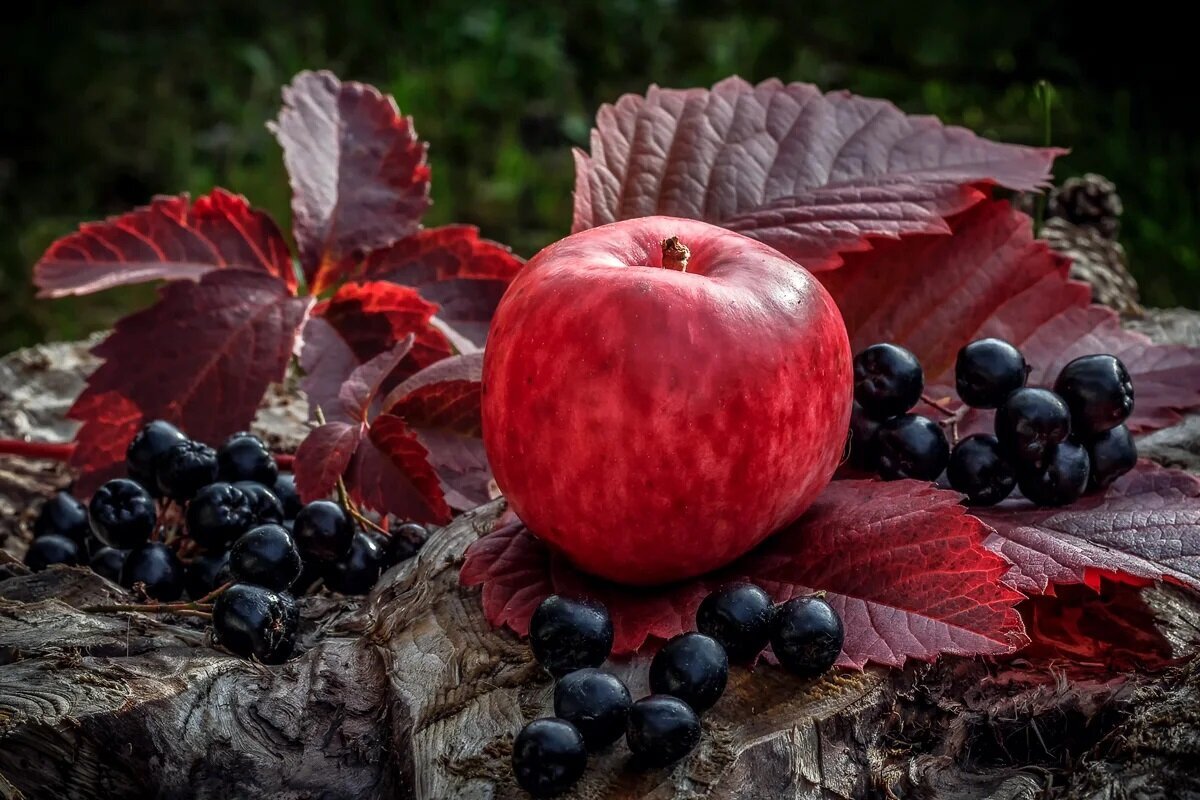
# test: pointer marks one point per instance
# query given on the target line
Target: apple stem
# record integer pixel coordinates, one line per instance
(675, 254)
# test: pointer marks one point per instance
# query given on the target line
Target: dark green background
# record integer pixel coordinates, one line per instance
(110, 104)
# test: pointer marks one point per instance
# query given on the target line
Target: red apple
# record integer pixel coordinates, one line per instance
(653, 423)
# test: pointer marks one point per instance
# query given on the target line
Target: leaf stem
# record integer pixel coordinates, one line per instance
(344, 496)
(1043, 90)
(48, 451)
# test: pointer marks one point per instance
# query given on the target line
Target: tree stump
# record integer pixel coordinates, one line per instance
(410, 693)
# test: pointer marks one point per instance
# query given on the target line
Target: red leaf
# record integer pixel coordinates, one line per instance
(1145, 527)
(813, 175)
(170, 239)
(361, 388)
(358, 172)
(441, 404)
(933, 294)
(323, 457)
(453, 267)
(390, 472)
(361, 321)
(902, 562)
(201, 357)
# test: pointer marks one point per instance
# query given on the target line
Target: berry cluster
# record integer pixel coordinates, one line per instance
(1053, 445)
(224, 526)
(593, 708)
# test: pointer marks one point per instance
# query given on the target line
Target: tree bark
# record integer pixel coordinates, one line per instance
(410, 693)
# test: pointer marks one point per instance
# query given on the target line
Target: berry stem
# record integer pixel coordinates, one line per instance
(188, 609)
(49, 451)
(939, 405)
(675, 254)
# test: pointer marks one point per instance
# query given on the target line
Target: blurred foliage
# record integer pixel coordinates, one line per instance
(107, 104)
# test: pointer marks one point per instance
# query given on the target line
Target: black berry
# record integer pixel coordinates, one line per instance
(1111, 454)
(1028, 425)
(405, 542)
(1062, 481)
(692, 667)
(245, 457)
(887, 380)
(265, 506)
(806, 636)
(567, 634)
(122, 514)
(864, 450)
(357, 571)
(548, 757)
(218, 514)
(596, 703)
(206, 573)
(50, 549)
(64, 515)
(739, 618)
(1099, 392)
(661, 730)
(107, 563)
(265, 556)
(185, 468)
(285, 489)
(323, 531)
(979, 470)
(255, 621)
(987, 371)
(145, 449)
(154, 566)
(912, 446)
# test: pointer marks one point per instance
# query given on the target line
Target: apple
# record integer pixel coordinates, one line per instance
(660, 395)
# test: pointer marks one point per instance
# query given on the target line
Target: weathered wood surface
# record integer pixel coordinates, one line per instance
(409, 693)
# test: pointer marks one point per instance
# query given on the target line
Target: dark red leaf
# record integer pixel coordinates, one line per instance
(811, 174)
(361, 388)
(441, 404)
(902, 562)
(170, 239)
(358, 172)
(201, 357)
(361, 321)
(453, 267)
(390, 472)
(1143, 528)
(933, 294)
(323, 457)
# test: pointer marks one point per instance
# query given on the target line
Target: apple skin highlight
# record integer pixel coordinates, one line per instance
(653, 424)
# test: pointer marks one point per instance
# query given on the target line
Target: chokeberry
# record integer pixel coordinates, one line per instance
(218, 514)
(864, 450)
(567, 634)
(254, 621)
(265, 506)
(596, 703)
(979, 470)
(107, 562)
(1099, 392)
(122, 514)
(1028, 425)
(661, 730)
(888, 380)
(1062, 481)
(186, 468)
(548, 757)
(245, 457)
(323, 531)
(987, 371)
(912, 446)
(53, 548)
(739, 618)
(145, 449)
(692, 667)
(806, 636)
(1111, 454)
(357, 571)
(64, 515)
(406, 541)
(285, 489)
(206, 573)
(265, 556)
(156, 568)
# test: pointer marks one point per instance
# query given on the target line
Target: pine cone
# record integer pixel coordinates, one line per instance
(1096, 260)
(1090, 201)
